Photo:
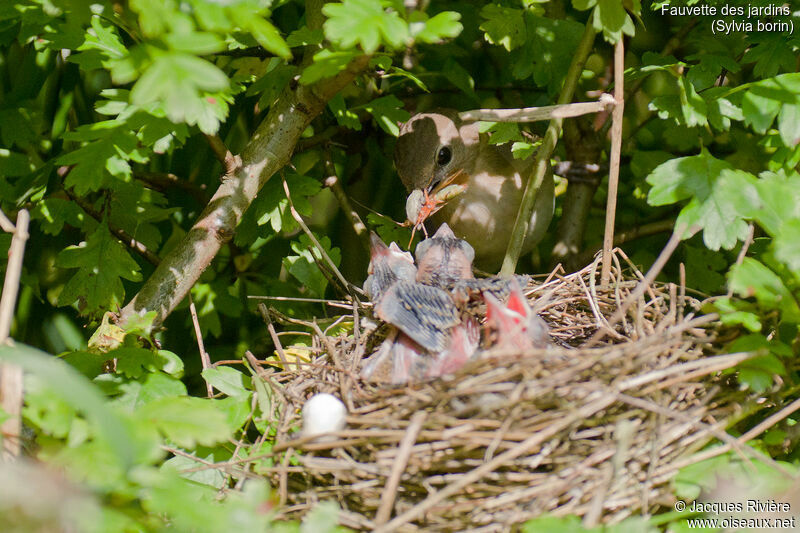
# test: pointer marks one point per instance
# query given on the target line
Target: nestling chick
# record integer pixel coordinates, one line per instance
(513, 326)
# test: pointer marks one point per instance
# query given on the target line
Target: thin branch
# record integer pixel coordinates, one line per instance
(616, 147)
(6, 224)
(534, 114)
(221, 152)
(11, 388)
(541, 163)
(204, 358)
(628, 235)
(334, 183)
(399, 466)
(643, 285)
(164, 180)
(315, 242)
(274, 336)
(119, 233)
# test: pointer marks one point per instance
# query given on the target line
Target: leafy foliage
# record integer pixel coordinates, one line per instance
(106, 112)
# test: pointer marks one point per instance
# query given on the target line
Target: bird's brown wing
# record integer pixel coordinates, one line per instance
(422, 312)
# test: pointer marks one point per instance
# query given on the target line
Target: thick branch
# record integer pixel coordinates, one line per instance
(541, 163)
(269, 149)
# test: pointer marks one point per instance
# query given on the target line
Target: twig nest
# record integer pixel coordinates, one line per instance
(323, 413)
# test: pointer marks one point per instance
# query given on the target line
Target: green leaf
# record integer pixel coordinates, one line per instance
(547, 51)
(389, 230)
(323, 518)
(765, 99)
(778, 200)
(504, 26)
(770, 55)
(692, 104)
(344, 117)
(388, 112)
(79, 393)
(610, 18)
(102, 262)
(752, 278)
(459, 77)
(109, 148)
(787, 245)
(195, 42)
(53, 213)
(444, 25)
(733, 312)
(187, 421)
(326, 64)
(552, 524)
(304, 37)
(704, 269)
(718, 210)
(101, 44)
(228, 380)
(709, 67)
(262, 31)
(303, 267)
(364, 22)
(182, 83)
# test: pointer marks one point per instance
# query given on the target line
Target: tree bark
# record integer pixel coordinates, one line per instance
(268, 151)
(583, 146)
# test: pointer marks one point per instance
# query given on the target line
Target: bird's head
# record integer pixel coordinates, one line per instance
(444, 258)
(513, 325)
(387, 265)
(433, 147)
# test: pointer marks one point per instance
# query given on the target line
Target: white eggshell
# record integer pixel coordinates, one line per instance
(323, 413)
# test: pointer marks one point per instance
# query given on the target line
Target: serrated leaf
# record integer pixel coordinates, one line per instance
(53, 213)
(111, 144)
(718, 209)
(364, 22)
(770, 55)
(182, 83)
(102, 262)
(504, 26)
(547, 51)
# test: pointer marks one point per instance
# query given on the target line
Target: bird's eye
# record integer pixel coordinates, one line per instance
(443, 156)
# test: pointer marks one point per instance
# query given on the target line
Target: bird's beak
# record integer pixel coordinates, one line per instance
(458, 177)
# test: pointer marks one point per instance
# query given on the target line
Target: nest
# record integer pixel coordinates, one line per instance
(595, 426)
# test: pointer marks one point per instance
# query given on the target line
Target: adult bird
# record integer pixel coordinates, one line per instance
(436, 150)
